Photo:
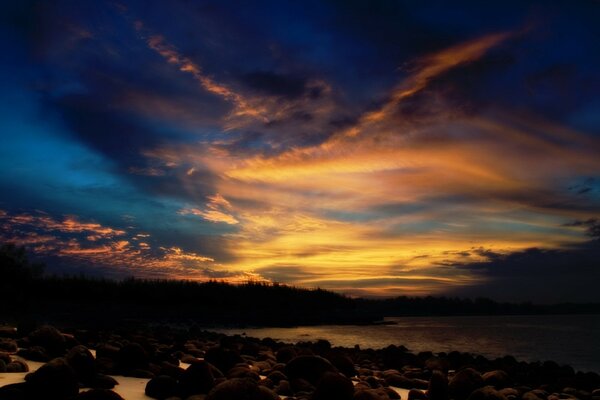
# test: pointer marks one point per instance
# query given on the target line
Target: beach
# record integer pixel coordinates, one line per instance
(175, 363)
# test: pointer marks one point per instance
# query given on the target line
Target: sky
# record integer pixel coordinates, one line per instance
(375, 148)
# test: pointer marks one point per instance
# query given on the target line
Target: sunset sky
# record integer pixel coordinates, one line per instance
(376, 148)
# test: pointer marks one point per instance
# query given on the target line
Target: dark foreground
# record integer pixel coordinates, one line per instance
(237, 367)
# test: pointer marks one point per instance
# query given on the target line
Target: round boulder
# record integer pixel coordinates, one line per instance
(333, 386)
(54, 380)
(309, 368)
(161, 387)
(464, 383)
(241, 389)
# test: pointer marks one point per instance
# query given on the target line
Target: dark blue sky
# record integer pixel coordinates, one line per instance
(370, 147)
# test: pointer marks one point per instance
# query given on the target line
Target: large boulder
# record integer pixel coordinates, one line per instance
(309, 368)
(222, 358)
(438, 386)
(50, 339)
(498, 378)
(132, 357)
(161, 387)
(241, 389)
(83, 362)
(487, 393)
(198, 378)
(464, 382)
(54, 380)
(333, 386)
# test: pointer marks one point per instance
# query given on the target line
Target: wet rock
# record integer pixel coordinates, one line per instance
(438, 386)
(161, 387)
(5, 357)
(8, 345)
(198, 378)
(342, 362)
(392, 393)
(16, 391)
(464, 383)
(50, 339)
(437, 364)
(243, 372)
(283, 388)
(277, 376)
(486, 393)
(498, 378)
(101, 381)
(401, 381)
(98, 394)
(54, 380)
(240, 388)
(222, 358)
(17, 366)
(300, 385)
(83, 362)
(333, 386)
(286, 354)
(132, 356)
(35, 353)
(310, 368)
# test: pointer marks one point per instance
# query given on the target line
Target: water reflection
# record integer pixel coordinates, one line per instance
(567, 339)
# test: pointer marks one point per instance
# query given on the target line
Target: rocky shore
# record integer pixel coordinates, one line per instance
(191, 364)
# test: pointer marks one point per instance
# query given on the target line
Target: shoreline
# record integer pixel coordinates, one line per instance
(305, 368)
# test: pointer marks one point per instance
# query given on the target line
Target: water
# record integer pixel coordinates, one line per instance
(566, 339)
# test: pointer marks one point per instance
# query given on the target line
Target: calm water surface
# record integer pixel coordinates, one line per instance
(566, 339)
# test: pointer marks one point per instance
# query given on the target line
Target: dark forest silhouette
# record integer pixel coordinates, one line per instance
(27, 293)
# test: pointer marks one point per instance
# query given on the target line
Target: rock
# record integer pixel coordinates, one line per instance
(82, 361)
(132, 356)
(437, 364)
(98, 394)
(464, 383)
(277, 376)
(401, 381)
(198, 378)
(35, 353)
(16, 391)
(498, 378)
(508, 392)
(486, 393)
(50, 339)
(17, 366)
(222, 358)
(242, 389)
(283, 388)
(438, 386)
(416, 394)
(161, 387)
(334, 386)
(301, 385)
(54, 380)
(101, 381)
(342, 362)
(5, 357)
(243, 372)
(8, 345)
(286, 354)
(2, 366)
(392, 393)
(310, 368)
